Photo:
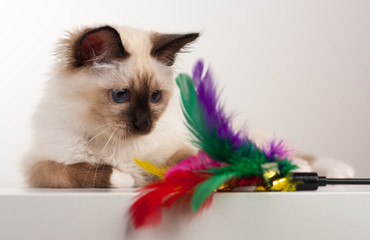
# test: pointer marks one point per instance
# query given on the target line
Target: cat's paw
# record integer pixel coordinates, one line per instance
(333, 168)
(121, 179)
(303, 165)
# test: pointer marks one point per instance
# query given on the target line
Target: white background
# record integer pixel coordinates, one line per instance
(298, 68)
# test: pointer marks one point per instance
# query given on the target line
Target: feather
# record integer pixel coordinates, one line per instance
(204, 190)
(201, 161)
(146, 210)
(147, 166)
(279, 151)
(225, 157)
(212, 132)
(190, 106)
(276, 149)
(213, 110)
(204, 134)
(286, 166)
(198, 72)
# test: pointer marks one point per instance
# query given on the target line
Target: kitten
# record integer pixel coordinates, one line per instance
(110, 98)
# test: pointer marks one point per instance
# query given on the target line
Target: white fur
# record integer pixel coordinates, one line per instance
(121, 179)
(60, 128)
(303, 165)
(333, 168)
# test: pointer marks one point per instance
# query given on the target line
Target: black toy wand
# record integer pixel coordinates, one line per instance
(312, 181)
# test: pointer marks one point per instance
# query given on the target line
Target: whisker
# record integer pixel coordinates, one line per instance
(100, 133)
(91, 166)
(101, 126)
(102, 153)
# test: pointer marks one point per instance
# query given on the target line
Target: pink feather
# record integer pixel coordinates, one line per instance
(199, 162)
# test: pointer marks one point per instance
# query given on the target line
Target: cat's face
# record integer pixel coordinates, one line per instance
(119, 80)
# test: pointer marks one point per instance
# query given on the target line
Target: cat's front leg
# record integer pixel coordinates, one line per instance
(52, 174)
(120, 179)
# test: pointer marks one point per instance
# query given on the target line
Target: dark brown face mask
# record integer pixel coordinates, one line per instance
(137, 105)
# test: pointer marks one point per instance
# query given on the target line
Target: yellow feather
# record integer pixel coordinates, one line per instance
(147, 166)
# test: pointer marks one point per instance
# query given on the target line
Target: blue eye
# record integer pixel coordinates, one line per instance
(156, 96)
(120, 96)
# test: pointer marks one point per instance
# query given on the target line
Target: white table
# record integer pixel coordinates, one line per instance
(100, 214)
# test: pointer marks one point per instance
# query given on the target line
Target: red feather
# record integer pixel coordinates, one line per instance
(146, 210)
(254, 180)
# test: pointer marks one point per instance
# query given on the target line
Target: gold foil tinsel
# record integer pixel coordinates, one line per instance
(273, 180)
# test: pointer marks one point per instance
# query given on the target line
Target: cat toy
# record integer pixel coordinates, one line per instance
(226, 160)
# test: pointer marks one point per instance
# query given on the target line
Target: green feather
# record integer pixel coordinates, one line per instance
(206, 188)
(190, 106)
(286, 166)
(246, 161)
(203, 138)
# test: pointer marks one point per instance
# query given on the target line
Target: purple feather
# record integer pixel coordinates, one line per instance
(217, 120)
(215, 116)
(277, 150)
(197, 73)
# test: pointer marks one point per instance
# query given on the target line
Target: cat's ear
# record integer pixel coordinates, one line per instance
(166, 46)
(98, 45)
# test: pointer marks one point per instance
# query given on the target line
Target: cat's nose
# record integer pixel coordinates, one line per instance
(142, 121)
